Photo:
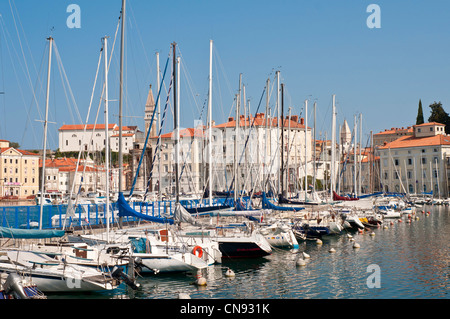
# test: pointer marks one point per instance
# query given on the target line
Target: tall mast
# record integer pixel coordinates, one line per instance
(175, 119)
(359, 160)
(313, 147)
(210, 123)
(278, 124)
(159, 128)
(105, 52)
(333, 147)
(50, 46)
(282, 139)
(122, 55)
(236, 163)
(306, 149)
(288, 174)
(178, 114)
(266, 139)
(354, 160)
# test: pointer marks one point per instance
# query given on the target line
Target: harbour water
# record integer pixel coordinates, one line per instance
(404, 261)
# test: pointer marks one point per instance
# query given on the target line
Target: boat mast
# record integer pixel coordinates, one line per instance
(210, 123)
(359, 160)
(267, 140)
(313, 148)
(306, 150)
(175, 120)
(50, 46)
(105, 52)
(333, 148)
(282, 139)
(236, 140)
(278, 125)
(159, 129)
(355, 160)
(122, 54)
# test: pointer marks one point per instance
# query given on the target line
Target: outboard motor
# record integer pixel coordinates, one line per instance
(118, 273)
(13, 284)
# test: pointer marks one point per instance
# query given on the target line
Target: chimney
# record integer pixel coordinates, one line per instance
(302, 121)
(294, 118)
(230, 119)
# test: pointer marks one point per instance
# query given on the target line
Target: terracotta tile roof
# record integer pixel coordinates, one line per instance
(4, 149)
(430, 123)
(124, 135)
(80, 169)
(411, 141)
(259, 120)
(396, 130)
(187, 132)
(89, 127)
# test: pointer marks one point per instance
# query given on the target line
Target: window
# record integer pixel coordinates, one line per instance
(396, 162)
(409, 161)
(419, 130)
(431, 129)
(424, 160)
(409, 174)
(67, 142)
(395, 175)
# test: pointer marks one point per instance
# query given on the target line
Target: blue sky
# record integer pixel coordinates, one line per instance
(320, 47)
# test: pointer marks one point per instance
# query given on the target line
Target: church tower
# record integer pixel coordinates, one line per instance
(346, 136)
(149, 109)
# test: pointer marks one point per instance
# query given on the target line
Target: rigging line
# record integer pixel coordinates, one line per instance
(96, 119)
(158, 143)
(151, 123)
(248, 136)
(188, 77)
(60, 64)
(5, 33)
(70, 207)
(23, 55)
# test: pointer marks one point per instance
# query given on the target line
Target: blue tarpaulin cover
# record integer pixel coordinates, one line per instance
(30, 233)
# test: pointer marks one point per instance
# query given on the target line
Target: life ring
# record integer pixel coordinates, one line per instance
(199, 250)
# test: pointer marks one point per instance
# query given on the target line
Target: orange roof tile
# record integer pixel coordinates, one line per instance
(411, 141)
(80, 127)
(187, 132)
(260, 121)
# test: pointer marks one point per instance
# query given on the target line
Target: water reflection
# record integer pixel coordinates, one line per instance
(413, 260)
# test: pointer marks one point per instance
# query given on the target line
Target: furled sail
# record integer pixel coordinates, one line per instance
(126, 210)
(269, 205)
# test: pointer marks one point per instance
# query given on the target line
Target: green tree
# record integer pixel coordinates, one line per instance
(419, 119)
(439, 115)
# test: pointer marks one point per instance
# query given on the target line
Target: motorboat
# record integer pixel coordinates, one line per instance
(52, 275)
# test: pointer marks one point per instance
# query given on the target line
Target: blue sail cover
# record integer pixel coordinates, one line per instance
(6, 232)
(269, 205)
(126, 210)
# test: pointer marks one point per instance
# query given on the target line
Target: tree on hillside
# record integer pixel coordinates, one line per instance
(419, 119)
(439, 115)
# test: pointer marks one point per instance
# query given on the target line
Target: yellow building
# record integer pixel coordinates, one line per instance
(19, 172)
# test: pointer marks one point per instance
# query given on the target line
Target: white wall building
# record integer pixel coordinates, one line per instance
(417, 163)
(73, 138)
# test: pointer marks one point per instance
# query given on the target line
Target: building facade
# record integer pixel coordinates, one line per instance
(19, 172)
(417, 163)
